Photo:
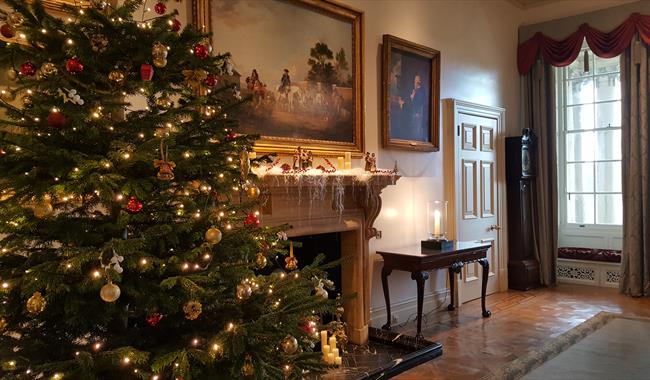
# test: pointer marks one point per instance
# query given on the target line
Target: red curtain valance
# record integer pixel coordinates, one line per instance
(562, 53)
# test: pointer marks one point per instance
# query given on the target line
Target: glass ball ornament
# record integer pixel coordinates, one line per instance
(253, 192)
(213, 235)
(160, 8)
(56, 120)
(36, 303)
(175, 25)
(12, 74)
(201, 51)
(7, 31)
(110, 292)
(164, 103)
(321, 292)
(28, 69)
(210, 81)
(133, 206)
(160, 62)
(74, 66)
(99, 4)
(289, 344)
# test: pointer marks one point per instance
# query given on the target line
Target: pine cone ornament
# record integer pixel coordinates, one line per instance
(192, 310)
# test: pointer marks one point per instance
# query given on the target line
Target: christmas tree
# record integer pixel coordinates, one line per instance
(130, 244)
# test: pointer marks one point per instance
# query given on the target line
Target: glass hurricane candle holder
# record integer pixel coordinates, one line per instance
(437, 220)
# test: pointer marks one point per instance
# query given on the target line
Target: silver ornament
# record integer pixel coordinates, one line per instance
(289, 344)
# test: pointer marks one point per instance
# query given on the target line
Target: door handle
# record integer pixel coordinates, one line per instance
(495, 227)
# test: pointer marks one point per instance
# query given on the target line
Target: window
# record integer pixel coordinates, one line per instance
(589, 143)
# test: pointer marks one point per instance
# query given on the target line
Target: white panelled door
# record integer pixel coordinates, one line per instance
(476, 200)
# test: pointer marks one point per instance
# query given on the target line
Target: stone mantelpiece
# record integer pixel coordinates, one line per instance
(348, 204)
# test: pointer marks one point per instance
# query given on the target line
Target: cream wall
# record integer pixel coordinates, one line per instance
(478, 42)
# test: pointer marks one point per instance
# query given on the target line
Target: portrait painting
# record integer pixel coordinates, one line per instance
(299, 63)
(411, 95)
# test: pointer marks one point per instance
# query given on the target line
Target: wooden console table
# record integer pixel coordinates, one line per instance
(419, 261)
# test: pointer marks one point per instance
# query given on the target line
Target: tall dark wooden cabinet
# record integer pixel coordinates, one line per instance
(523, 266)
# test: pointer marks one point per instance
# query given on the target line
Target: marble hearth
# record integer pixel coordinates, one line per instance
(345, 204)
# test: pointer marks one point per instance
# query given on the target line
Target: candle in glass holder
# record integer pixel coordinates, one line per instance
(341, 163)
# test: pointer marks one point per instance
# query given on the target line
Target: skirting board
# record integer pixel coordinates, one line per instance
(402, 310)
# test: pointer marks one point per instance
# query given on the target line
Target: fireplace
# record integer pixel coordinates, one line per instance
(345, 205)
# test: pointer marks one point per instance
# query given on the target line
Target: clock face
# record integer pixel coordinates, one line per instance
(525, 161)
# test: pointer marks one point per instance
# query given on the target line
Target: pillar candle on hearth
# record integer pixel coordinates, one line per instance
(323, 338)
(338, 361)
(341, 163)
(348, 160)
(326, 349)
(252, 155)
(335, 352)
(330, 358)
(332, 343)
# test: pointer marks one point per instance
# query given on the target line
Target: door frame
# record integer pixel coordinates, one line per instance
(451, 109)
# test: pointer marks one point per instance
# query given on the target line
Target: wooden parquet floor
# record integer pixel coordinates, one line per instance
(521, 321)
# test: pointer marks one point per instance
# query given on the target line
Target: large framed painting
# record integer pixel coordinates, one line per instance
(410, 95)
(300, 62)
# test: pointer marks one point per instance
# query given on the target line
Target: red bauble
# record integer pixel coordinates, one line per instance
(133, 206)
(210, 80)
(175, 25)
(160, 8)
(74, 66)
(56, 120)
(7, 31)
(28, 69)
(201, 51)
(146, 72)
(154, 319)
(251, 221)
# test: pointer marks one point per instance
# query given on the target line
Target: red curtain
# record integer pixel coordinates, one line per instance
(562, 53)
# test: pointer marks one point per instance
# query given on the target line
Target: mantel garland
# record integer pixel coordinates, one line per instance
(561, 53)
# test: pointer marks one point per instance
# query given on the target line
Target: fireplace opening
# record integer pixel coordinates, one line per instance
(313, 245)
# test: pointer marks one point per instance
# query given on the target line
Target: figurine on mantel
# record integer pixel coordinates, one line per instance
(371, 162)
(302, 159)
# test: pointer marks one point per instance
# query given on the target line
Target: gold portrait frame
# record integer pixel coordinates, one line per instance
(201, 17)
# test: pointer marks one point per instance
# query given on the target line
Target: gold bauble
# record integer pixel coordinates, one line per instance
(244, 291)
(260, 261)
(159, 50)
(42, 209)
(290, 344)
(3, 325)
(49, 69)
(253, 191)
(110, 292)
(192, 310)
(164, 103)
(321, 292)
(12, 74)
(116, 76)
(213, 235)
(160, 62)
(36, 303)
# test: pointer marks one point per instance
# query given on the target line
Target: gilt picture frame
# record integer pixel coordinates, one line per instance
(304, 77)
(410, 95)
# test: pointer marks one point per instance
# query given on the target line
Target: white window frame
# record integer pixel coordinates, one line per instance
(574, 234)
